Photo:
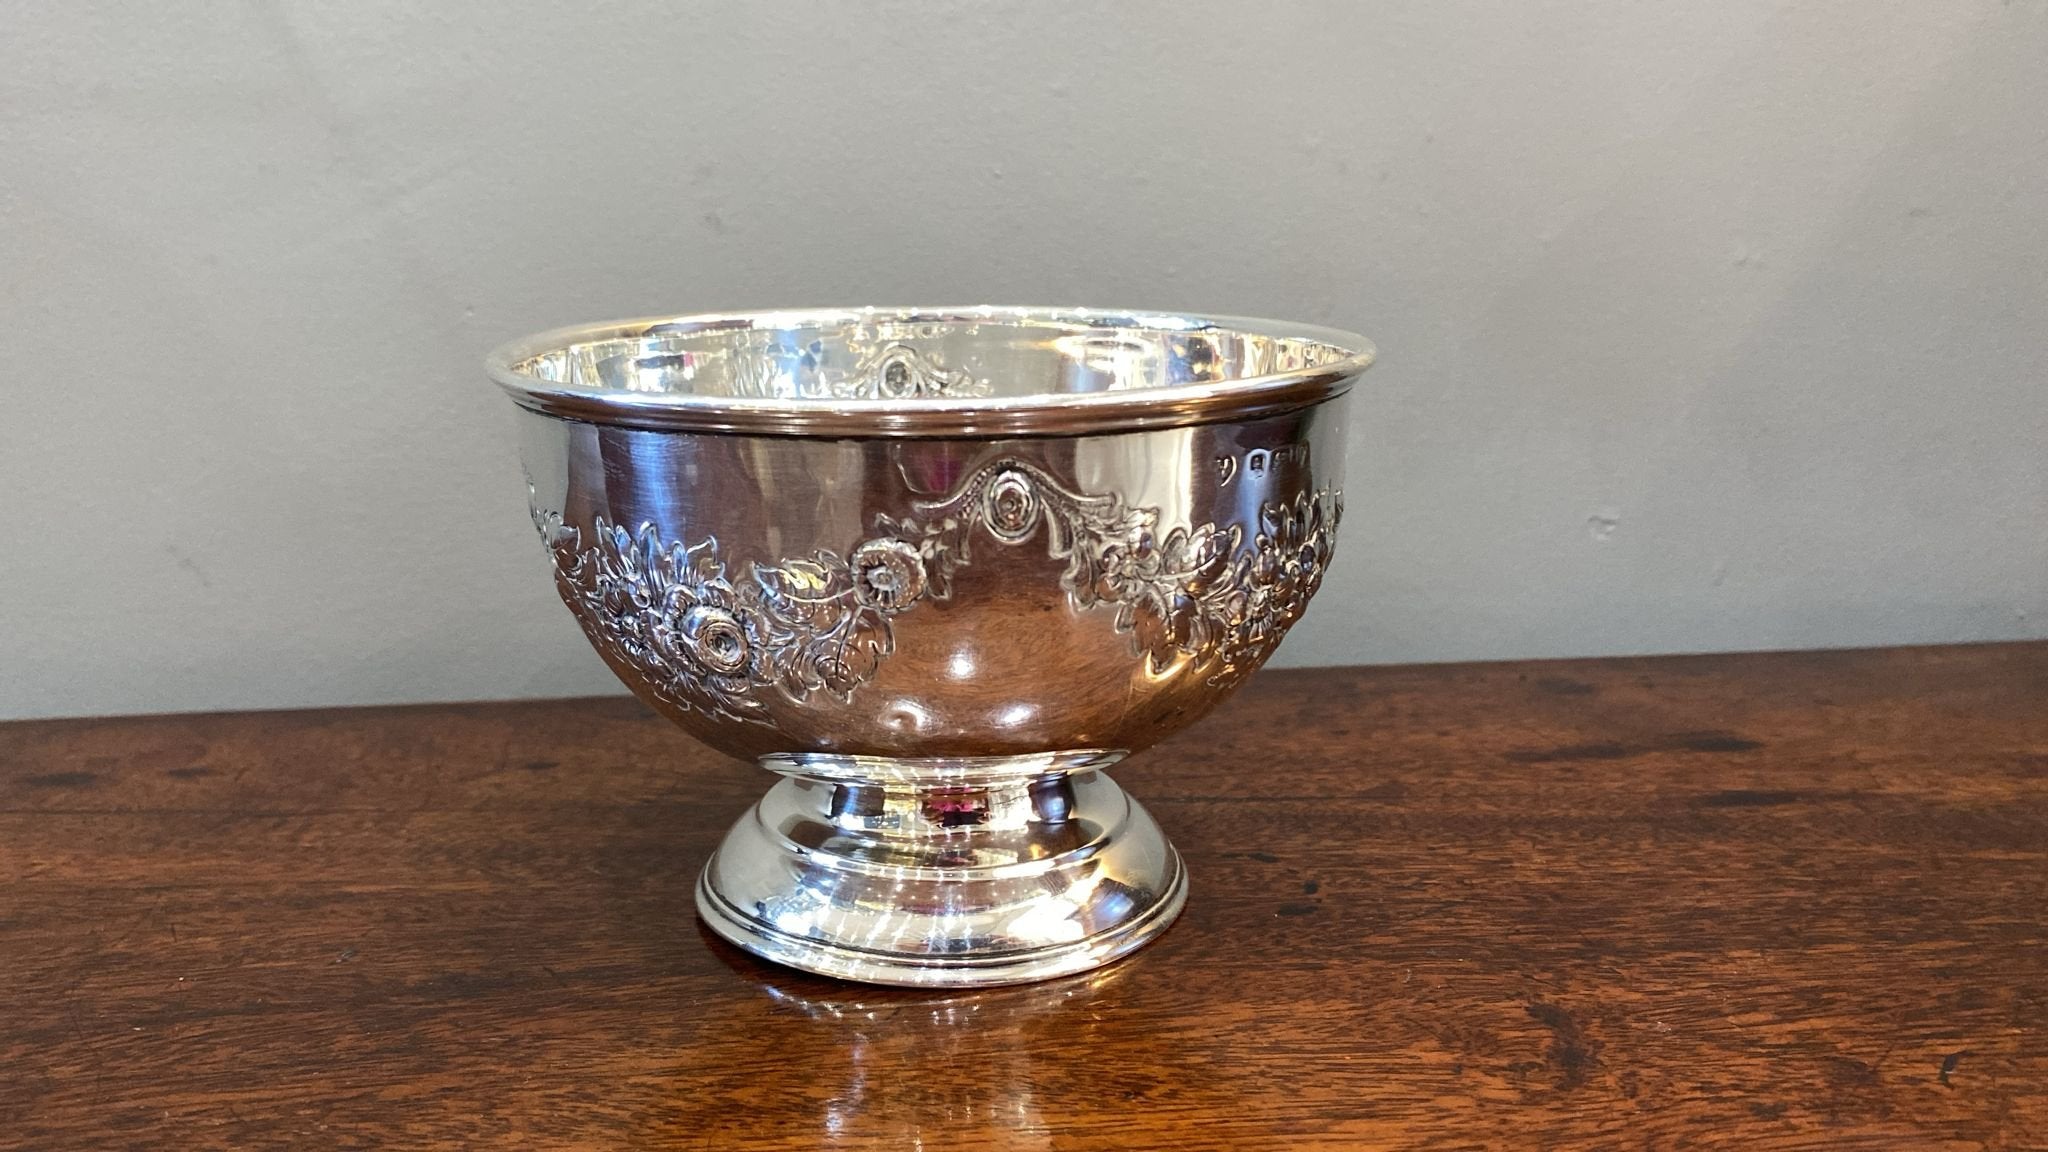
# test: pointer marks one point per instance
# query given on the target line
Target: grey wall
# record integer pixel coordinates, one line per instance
(1705, 325)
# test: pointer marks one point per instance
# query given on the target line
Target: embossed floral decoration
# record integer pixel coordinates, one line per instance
(705, 640)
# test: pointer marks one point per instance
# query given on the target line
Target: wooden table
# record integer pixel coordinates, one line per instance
(1761, 902)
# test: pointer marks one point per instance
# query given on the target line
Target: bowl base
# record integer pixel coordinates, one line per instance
(943, 885)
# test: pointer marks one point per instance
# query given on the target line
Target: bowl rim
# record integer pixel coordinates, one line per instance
(1041, 414)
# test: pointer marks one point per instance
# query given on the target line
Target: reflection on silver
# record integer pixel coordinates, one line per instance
(900, 372)
(1047, 371)
(706, 640)
(795, 535)
(944, 884)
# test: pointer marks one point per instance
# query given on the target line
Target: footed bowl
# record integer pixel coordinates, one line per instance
(937, 568)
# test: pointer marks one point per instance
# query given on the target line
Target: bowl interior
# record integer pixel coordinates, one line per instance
(898, 354)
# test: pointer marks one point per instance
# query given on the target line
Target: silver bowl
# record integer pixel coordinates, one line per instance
(938, 568)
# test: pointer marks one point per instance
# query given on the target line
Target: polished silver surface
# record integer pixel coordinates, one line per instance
(939, 637)
(922, 372)
(928, 884)
(726, 642)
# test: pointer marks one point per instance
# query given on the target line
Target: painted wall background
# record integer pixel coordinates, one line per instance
(1704, 326)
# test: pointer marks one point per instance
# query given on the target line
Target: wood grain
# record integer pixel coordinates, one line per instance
(1769, 902)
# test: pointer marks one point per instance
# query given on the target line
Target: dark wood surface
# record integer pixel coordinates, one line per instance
(1763, 902)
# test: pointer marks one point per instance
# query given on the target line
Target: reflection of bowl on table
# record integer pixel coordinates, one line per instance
(938, 568)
